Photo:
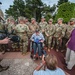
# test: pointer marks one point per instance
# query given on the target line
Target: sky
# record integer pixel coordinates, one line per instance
(6, 3)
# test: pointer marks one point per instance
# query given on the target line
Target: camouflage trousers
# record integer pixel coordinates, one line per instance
(2, 48)
(49, 41)
(24, 46)
(57, 43)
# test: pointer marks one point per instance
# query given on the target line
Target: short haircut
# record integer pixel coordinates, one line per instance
(51, 62)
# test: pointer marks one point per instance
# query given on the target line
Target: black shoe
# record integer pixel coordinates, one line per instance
(1, 60)
(31, 56)
(3, 52)
(4, 68)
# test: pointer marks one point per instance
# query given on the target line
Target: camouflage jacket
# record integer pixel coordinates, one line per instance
(22, 30)
(69, 29)
(42, 26)
(60, 31)
(50, 30)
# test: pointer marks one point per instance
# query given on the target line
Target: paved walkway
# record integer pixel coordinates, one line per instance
(24, 65)
(19, 65)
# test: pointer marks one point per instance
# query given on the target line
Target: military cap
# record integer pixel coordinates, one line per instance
(51, 19)
(37, 30)
(20, 18)
(10, 18)
(72, 20)
(33, 19)
(42, 17)
(24, 18)
(60, 19)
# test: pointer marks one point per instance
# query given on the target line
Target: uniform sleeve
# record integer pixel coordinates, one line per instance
(53, 30)
(42, 36)
(32, 37)
(63, 31)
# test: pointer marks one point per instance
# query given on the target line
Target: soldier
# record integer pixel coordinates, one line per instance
(11, 25)
(59, 34)
(27, 21)
(22, 31)
(49, 31)
(32, 26)
(2, 47)
(8, 19)
(42, 26)
(69, 28)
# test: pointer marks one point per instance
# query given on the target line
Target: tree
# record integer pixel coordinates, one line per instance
(35, 6)
(66, 11)
(17, 9)
(29, 9)
(61, 2)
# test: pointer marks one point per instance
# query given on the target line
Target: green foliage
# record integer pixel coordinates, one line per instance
(61, 2)
(65, 11)
(30, 8)
(48, 16)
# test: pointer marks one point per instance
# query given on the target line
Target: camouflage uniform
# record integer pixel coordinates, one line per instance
(22, 31)
(49, 31)
(59, 34)
(63, 47)
(69, 29)
(10, 29)
(42, 26)
(32, 27)
(2, 47)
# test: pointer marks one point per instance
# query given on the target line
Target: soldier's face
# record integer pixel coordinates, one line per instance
(43, 19)
(50, 22)
(59, 21)
(32, 21)
(71, 22)
(21, 22)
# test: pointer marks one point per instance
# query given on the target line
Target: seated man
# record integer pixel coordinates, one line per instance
(37, 38)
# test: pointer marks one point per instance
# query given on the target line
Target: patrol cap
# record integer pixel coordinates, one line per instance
(24, 18)
(33, 19)
(10, 18)
(72, 20)
(60, 19)
(43, 17)
(20, 18)
(37, 30)
(51, 19)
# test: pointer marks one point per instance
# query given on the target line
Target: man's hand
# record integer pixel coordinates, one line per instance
(43, 59)
(66, 44)
(5, 41)
(41, 41)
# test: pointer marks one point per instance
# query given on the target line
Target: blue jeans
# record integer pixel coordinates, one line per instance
(39, 47)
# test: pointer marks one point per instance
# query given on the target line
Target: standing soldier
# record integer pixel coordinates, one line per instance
(11, 25)
(2, 47)
(10, 30)
(27, 21)
(59, 34)
(69, 28)
(42, 26)
(49, 31)
(32, 26)
(22, 31)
